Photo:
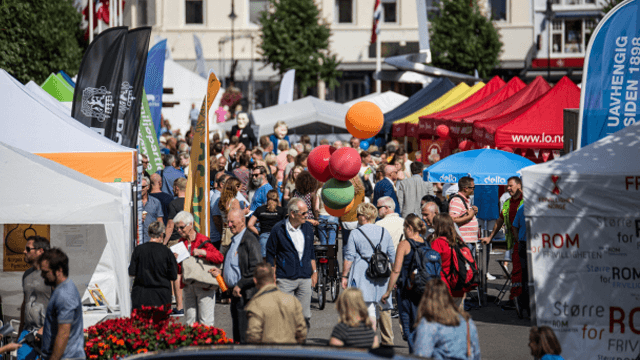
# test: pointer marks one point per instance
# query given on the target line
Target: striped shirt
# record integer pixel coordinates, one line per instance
(457, 209)
(361, 336)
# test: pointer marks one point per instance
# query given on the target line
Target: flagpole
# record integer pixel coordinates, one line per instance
(378, 64)
(120, 11)
(91, 21)
(111, 20)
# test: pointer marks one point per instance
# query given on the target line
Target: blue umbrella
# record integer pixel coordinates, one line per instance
(485, 166)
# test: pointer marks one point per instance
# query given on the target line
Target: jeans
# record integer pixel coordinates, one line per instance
(523, 299)
(328, 231)
(263, 243)
(407, 312)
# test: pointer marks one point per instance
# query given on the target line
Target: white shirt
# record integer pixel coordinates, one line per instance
(297, 237)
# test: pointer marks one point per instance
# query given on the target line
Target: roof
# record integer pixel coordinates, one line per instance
(386, 101)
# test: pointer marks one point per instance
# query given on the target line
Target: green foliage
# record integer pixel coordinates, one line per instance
(38, 37)
(609, 5)
(463, 39)
(294, 37)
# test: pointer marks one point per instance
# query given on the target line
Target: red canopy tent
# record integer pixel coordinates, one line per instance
(454, 120)
(537, 125)
(433, 120)
(522, 98)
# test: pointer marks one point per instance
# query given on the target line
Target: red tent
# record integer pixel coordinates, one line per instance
(433, 120)
(538, 125)
(525, 96)
(454, 120)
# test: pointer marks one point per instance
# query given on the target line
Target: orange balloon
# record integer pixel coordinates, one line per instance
(364, 120)
(340, 212)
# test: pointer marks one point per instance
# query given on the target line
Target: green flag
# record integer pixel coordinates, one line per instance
(147, 139)
(57, 88)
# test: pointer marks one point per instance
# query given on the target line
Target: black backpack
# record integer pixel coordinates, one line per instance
(427, 265)
(457, 196)
(368, 188)
(463, 270)
(379, 264)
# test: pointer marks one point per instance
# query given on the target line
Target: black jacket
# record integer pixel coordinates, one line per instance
(249, 256)
(283, 254)
(246, 136)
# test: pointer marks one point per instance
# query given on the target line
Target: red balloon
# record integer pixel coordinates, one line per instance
(318, 162)
(465, 145)
(345, 163)
(443, 131)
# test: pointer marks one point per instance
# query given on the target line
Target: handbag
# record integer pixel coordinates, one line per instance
(379, 264)
(195, 271)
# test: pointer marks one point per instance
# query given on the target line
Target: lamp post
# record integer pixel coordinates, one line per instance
(548, 13)
(233, 17)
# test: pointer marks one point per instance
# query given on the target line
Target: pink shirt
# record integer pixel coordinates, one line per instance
(457, 209)
(282, 164)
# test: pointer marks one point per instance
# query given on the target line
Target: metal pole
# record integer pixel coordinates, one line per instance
(233, 17)
(91, 21)
(378, 63)
(120, 11)
(111, 14)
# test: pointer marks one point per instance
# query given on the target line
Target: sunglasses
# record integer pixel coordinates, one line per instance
(255, 175)
(30, 248)
(471, 187)
(380, 207)
(182, 227)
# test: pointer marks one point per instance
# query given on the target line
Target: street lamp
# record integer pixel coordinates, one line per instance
(233, 17)
(548, 13)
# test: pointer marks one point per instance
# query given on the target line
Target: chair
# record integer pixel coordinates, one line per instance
(507, 282)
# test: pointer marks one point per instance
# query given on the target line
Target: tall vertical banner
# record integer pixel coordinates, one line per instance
(200, 68)
(154, 80)
(287, 85)
(147, 139)
(197, 194)
(125, 130)
(95, 97)
(609, 100)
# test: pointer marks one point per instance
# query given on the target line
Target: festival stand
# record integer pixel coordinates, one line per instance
(582, 217)
(386, 101)
(538, 125)
(429, 123)
(417, 101)
(454, 120)
(530, 93)
(450, 98)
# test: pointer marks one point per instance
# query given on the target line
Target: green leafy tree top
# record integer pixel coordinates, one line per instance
(38, 37)
(463, 40)
(294, 37)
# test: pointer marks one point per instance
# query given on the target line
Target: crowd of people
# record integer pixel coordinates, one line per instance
(267, 217)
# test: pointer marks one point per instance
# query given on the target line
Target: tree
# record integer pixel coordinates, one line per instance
(463, 40)
(295, 37)
(38, 37)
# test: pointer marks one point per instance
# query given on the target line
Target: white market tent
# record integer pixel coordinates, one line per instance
(308, 115)
(582, 212)
(386, 101)
(31, 124)
(188, 88)
(84, 214)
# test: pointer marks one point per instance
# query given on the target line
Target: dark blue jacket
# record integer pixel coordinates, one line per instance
(384, 187)
(283, 254)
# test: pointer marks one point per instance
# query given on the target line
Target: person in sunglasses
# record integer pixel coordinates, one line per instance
(462, 212)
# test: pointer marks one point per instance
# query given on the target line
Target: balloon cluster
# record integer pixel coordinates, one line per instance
(335, 167)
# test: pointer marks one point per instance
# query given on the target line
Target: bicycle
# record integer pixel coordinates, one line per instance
(327, 267)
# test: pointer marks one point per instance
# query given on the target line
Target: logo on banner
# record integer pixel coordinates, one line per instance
(126, 98)
(555, 179)
(448, 178)
(494, 180)
(97, 103)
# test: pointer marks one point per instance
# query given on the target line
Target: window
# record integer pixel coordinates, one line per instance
(433, 9)
(256, 7)
(344, 11)
(194, 11)
(499, 10)
(571, 36)
(389, 11)
(573, 2)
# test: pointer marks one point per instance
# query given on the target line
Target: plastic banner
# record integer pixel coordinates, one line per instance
(147, 139)
(154, 80)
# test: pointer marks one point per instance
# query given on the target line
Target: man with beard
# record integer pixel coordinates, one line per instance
(63, 335)
(259, 180)
(36, 295)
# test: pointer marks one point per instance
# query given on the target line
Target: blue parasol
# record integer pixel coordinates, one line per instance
(485, 166)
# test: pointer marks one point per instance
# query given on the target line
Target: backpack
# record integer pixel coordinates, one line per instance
(425, 265)
(459, 197)
(379, 264)
(463, 271)
(368, 189)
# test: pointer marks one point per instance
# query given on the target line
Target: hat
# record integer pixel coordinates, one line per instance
(163, 140)
(293, 152)
(225, 141)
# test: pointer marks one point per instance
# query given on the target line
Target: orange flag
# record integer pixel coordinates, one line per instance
(197, 195)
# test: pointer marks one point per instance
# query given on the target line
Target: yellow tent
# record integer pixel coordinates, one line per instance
(450, 98)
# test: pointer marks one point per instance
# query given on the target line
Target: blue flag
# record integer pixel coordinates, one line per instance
(200, 67)
(153, 81)
(609, 101)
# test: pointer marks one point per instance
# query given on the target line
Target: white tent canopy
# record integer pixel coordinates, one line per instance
(308, 115)
(386, 101)
(85, 215)
(188, 88)
(582, 212)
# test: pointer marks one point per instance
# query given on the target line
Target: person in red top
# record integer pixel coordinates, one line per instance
(445, 236)
(199, 302)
